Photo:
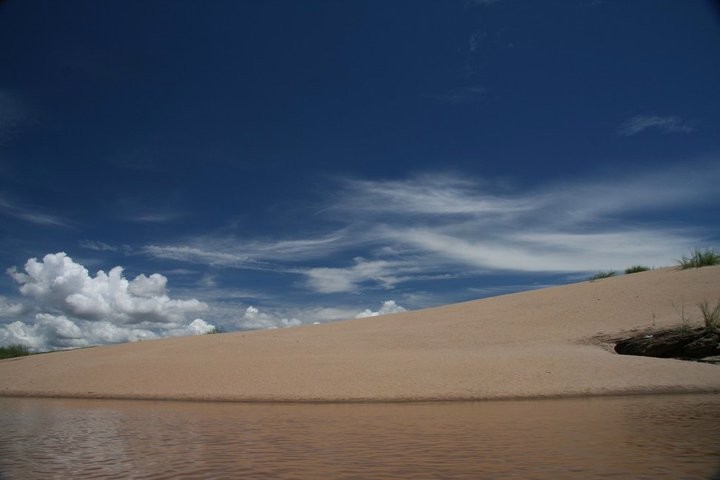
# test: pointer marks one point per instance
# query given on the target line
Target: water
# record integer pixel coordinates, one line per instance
(650, 437)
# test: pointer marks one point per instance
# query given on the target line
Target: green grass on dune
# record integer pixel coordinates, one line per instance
(711, 315)
(700, 258)
(636, 269)
(11, 351)
(603, 274)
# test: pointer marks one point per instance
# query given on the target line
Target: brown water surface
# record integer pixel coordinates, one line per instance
(652, 437)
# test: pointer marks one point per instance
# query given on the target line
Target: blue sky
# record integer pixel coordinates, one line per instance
(269, 163)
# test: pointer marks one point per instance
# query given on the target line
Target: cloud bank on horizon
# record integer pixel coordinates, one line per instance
(69, 308)
(74, 309)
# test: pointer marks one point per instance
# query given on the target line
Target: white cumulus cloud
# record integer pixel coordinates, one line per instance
(200, 327)
(254, 319)
(8, 309)
(388, 306)
(77, 309)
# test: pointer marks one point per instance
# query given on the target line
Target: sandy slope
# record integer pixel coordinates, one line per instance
(538, 343)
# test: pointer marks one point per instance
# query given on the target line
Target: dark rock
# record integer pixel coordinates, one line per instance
(705, 346)
(714, 360)
(665, 344)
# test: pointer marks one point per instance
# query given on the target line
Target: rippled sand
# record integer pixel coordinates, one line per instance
(533, 344)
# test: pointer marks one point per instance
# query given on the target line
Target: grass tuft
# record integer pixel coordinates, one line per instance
(711, 315)
(636, 269)
(700, 258)
(604, 274)
(11, 351)
(684, 319)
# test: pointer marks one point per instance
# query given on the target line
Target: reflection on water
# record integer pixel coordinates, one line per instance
(676, 436)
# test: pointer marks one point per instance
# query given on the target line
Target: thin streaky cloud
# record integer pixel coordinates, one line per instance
(230, 251)
(427, 226)
(557, 228)
(20, 212)
(301, 248)
(535, 252)
(452, 200)
(474, 40)
(190, 254)
(665, 189)
(379, 272)
(154, 217)
(429, 195)
(666, 124)
(98, 246)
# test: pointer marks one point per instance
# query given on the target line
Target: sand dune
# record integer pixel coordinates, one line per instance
(534, 344)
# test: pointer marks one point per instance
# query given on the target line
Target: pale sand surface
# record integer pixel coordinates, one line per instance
(541, 343)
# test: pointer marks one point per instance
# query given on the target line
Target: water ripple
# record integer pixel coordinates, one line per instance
(632, 437)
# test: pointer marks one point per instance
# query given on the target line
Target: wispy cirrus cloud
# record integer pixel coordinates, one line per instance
(21, 212)
(141, 207)
(666, 124)
(154, 217)
(230, 251)
(544, 251)
(98, 246)
(380, 272)
(475, 39)
(203, 254)
(447, 198)
(429, 194)
(439, 226)
(579, 226)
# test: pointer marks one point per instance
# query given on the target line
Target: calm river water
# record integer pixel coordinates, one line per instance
(651, 437)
